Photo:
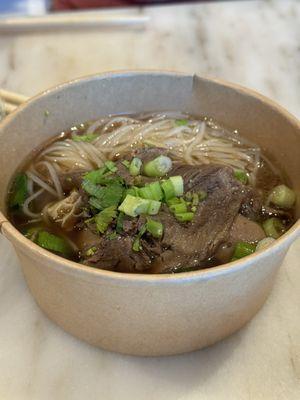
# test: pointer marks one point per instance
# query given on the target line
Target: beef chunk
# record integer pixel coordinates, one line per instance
(189, 245)
(245, 230)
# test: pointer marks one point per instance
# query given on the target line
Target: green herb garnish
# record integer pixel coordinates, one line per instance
(53, 243)
(136, 246)
(105, 218)
(19, 191)
(120, 221)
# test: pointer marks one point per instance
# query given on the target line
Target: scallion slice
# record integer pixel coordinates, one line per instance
(243, 249)
(179, 208)
(151, 191)
(135, 166)
(185, 217)
(273, 227)
(282, 196)
(177, 182)
(158, 167)
(155, 228)
(134, 206)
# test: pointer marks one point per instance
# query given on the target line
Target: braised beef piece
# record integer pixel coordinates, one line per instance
(252, 203)
(189, 245)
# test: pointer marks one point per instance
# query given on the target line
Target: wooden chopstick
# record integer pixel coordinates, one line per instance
(11, 97)
(8, 108)
(72, 21)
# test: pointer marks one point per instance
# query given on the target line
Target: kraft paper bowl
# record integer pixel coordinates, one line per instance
(149, 314)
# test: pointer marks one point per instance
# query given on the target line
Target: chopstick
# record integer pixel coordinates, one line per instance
(71, 21)
(11, 100)
(11, 97)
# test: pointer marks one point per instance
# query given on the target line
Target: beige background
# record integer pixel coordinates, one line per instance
(255, 43)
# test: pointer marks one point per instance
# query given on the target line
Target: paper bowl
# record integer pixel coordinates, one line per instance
(149, 314)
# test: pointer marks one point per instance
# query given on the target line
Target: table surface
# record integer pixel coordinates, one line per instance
(254, 43)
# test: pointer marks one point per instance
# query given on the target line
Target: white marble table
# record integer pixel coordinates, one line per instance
(255, 43)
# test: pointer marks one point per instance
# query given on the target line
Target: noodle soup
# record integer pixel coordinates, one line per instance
(156, 193)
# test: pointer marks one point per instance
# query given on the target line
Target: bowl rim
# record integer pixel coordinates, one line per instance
(72, 267)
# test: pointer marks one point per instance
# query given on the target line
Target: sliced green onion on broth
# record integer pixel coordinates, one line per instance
(158, 167)
(282, 196)
(273, 227)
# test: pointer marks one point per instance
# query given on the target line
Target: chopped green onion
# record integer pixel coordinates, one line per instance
(273, 227)
(168, 189)
(172, 187)
(178, 208)
(184, 217)
(133, 191)
(173, 200)
(181, 122)
(264, 243)
(241, 176)
(145, 192)
(104, 218)
(53, 243)
(111, 166)
(158, 167)
(126, 163)
(135, 166)
(19, 191)
(120, 221)
(151, 191)
(155, 228)
(177, 182)
(154, 207)
(84, 138)
(91, 251)
(134, 206)
(282, 196)
(243, 249)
